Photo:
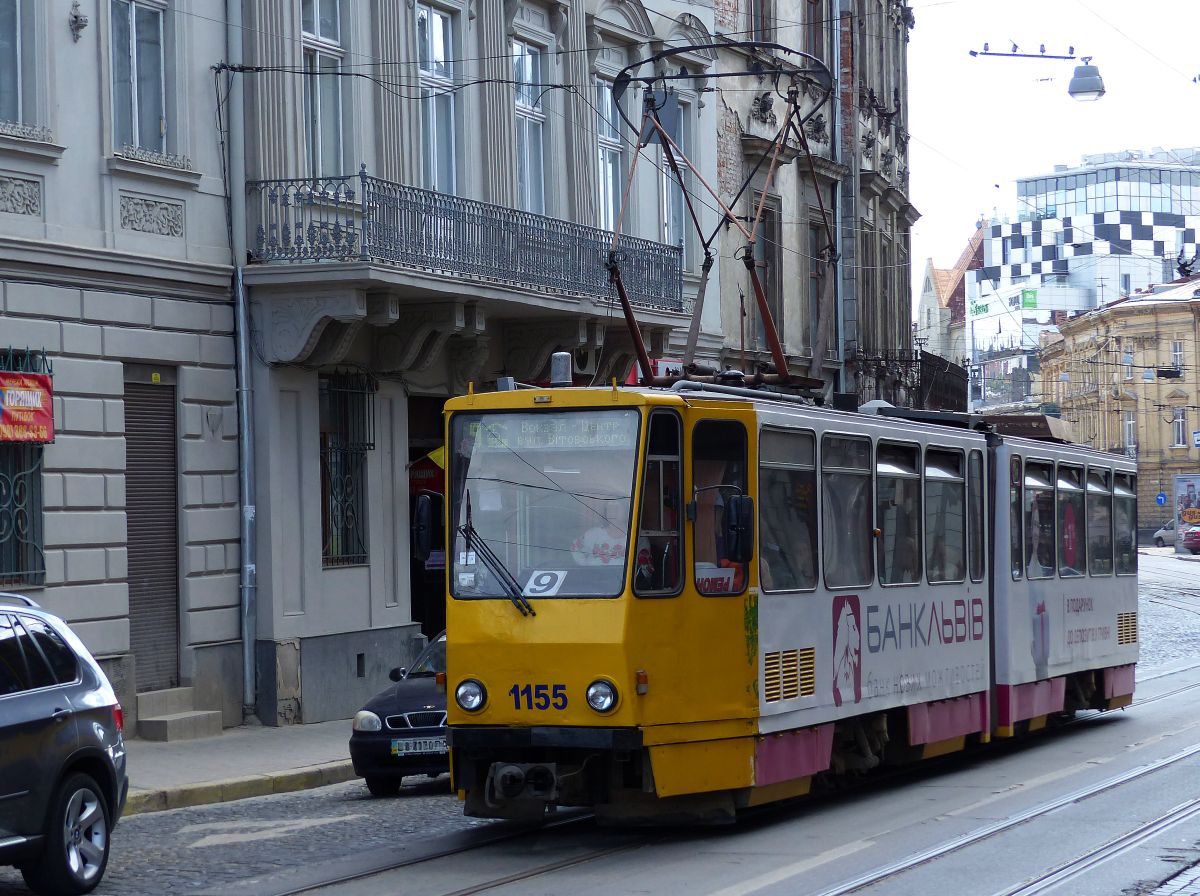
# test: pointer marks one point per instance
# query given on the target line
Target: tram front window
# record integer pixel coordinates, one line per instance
(541, 503)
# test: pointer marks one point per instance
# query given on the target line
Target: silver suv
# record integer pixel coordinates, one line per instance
(62, 753)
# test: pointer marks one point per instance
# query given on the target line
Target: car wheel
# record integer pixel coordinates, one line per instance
(383, 786)
(77, 841)
(1159, 543)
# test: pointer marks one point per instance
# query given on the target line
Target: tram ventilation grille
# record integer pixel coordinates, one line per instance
(1127, 628)
(789, 674)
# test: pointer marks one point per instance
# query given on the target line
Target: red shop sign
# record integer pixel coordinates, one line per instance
(26, 408)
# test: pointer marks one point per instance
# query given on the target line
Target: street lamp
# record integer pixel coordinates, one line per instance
(1086, 84)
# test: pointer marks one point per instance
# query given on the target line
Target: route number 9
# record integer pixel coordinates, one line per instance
(544, 582)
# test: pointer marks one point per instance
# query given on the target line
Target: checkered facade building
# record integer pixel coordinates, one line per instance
(1048, 245)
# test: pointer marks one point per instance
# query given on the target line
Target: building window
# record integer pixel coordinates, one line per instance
(435, 49)
(322, 19)
(347, 434)
(1179, 428)
(1129, 427)
(759, 24)
(816, 242)
(22, 561)
(814, 28)
(322, 87)
(531, 119)
(139, 88)
(1177, 354)
(674, 204)
(768, 264)
(1126, 284)
(10, 61)
(611, 160)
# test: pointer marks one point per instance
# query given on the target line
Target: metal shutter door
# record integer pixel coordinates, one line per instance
(151, 509)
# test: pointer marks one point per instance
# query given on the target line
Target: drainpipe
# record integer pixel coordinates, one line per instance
(237, 212)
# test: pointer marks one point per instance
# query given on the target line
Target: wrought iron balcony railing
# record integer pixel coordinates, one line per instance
(363, 218)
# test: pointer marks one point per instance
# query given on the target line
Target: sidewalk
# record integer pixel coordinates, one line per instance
(242, 762)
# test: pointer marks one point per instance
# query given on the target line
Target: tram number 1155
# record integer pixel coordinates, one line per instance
(539, 696)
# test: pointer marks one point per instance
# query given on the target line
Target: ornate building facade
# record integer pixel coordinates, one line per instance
(1125, 377)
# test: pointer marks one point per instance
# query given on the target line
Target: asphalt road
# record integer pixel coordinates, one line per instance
(810, 848)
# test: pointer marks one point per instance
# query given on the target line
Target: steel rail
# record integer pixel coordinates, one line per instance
(382, 861)
(923, 857)
(1110, 850)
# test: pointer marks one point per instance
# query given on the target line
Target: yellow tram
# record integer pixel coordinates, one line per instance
(670, 604)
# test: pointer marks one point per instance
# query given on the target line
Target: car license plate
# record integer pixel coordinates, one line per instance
(416, 746)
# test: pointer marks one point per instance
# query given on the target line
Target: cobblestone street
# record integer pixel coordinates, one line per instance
(204, 847)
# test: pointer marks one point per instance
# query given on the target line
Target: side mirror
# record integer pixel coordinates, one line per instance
(422, 528)
(397, 674)
(739, 528)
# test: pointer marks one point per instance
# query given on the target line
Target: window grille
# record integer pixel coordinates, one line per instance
(347, 433)
(22, 560)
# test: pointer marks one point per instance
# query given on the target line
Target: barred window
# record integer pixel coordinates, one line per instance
(347, 434)
(22, 561)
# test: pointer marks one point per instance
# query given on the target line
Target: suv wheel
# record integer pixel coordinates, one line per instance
(76, 842)
(381, 787)
(1159, 543)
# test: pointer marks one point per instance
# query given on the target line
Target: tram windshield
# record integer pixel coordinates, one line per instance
(540, 503)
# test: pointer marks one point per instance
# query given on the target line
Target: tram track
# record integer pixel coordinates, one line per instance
(894, 869)
(382, 861)
(1081, 864)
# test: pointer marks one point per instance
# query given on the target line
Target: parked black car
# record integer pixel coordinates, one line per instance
(402, 731)
(62, 753)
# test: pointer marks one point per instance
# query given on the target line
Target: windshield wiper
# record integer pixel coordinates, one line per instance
(495, 565)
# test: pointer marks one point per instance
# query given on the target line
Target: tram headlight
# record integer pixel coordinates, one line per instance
(365, 720)
(601, 695)
(470, 695)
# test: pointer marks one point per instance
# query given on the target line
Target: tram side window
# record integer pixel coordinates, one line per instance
(1039, 519)
(657, 571)
(1072, 545)
(898, 513)
(1125, 523)
(846, 510)
(718, 472)
(977, 525)
(1015, 544)
(1099, 522)
(945, 516)
(787, 510)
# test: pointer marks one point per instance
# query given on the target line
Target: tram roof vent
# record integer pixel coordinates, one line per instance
(875, 406)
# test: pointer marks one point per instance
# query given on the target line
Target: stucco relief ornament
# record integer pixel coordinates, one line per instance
(817, 129)
(20, 197)
(761, 109)
(868, 141)
(151, 216)
(886, 161)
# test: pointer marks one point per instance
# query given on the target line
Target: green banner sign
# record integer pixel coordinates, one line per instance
(1029, 298)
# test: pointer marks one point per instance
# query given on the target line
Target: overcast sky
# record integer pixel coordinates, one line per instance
(978, 123)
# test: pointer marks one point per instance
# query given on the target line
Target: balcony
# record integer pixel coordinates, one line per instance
(358, 218)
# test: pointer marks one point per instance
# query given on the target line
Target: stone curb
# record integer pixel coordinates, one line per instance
(141, 801)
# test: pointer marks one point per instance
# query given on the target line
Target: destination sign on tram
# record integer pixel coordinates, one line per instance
(570, 430)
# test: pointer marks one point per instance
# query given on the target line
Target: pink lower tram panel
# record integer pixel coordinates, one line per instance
(943, 719)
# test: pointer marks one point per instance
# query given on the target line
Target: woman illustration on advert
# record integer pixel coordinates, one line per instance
(847, 651)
